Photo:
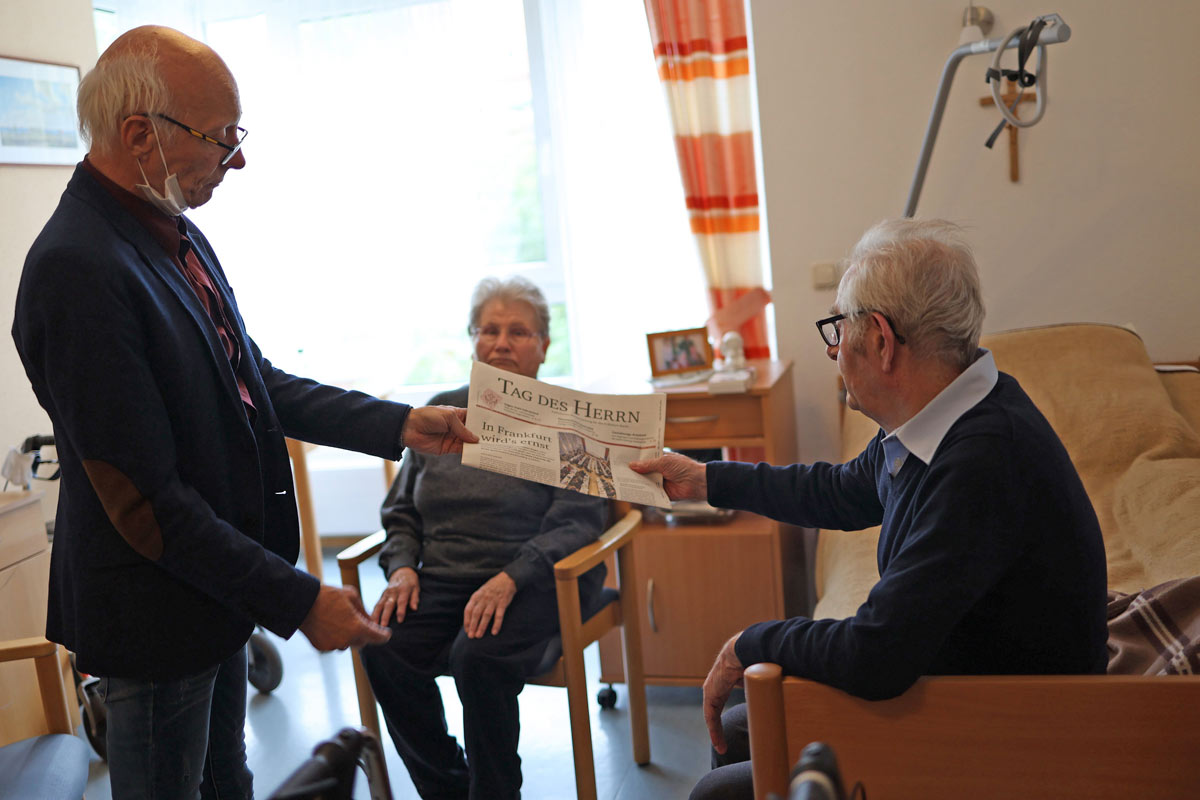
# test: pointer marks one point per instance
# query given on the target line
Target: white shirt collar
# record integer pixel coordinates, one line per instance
(922, 434)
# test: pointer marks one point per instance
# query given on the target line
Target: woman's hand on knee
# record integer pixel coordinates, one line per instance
(403, 593)
(488, 604)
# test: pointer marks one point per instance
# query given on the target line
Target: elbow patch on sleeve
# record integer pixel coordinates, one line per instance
(126, 507)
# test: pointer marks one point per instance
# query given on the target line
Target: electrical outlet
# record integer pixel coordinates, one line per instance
(825, 275)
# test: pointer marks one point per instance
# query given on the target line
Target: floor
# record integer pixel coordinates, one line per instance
(316, 699)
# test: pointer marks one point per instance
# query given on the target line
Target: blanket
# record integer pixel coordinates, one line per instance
(1155, 631)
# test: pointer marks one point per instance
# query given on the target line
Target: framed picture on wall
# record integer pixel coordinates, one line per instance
(38, 124)
(673, 352)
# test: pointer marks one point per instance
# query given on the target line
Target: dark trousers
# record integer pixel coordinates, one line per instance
(182, 738)
(731, 777)
(489, 673)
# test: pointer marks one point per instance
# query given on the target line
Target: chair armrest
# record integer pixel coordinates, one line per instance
(767, 723)
(1095, 736)
(361, 550)
(349, 559)
(31, 647)
(49, 676)
(588, 556)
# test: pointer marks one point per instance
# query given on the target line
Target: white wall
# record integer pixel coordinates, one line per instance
(1102, 226)
(45, 30)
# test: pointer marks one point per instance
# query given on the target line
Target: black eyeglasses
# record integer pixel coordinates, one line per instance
(233, 149)
(831, 331)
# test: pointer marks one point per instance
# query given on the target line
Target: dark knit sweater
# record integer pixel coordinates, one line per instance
(990, 558)
(462, 523)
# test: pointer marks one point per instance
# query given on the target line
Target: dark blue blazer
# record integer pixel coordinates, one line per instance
(176, 528)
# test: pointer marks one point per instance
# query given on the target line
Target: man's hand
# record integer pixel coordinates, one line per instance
(337, 621)
(436, 430)
(489, 602)
(725, 674)
(683, 478)
(403, 593)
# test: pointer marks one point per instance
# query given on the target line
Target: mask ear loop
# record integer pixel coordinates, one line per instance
(158, 141)
(162, 157)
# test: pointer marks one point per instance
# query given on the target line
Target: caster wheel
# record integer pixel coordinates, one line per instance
(95, 721)
(607, 697)
(265, 669)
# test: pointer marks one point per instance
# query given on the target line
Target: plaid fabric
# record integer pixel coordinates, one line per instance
(1155, 631)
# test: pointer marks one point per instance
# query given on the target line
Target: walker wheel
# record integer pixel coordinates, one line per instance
(95, 720)
(265, 668)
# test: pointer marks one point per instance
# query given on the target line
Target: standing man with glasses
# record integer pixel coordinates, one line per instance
(176, 528)
(990, 555)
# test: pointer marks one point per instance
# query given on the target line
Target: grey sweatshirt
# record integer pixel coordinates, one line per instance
(461, 523)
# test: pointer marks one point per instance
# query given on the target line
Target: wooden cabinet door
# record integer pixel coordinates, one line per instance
(698, 587)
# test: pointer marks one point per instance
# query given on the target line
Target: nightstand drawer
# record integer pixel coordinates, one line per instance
(730, 416)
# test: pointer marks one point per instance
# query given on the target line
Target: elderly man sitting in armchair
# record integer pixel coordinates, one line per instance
(990, 556)
(470, 563)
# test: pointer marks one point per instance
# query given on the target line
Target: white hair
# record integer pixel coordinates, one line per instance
(514, 289)
(922, 276)
(127, 80)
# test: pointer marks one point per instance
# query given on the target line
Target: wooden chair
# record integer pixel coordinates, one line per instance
(567, 669)
(54, 765)
(310, 539)
(1093, 736)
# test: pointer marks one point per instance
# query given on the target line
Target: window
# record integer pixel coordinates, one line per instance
(401, 150)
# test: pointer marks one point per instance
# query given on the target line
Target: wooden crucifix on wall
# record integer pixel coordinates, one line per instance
(1014, 163)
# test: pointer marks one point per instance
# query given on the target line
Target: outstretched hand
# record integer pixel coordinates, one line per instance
(337, 620)
(436, 430)
(683, 478)
(726, 673)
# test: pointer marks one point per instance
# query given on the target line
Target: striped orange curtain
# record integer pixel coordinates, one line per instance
(704, 63)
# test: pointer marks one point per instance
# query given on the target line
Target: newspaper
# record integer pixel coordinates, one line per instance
(560, 437)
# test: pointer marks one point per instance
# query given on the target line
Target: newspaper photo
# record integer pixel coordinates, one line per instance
(561, 437)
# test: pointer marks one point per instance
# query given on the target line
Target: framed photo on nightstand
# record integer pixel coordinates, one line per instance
(675, 352)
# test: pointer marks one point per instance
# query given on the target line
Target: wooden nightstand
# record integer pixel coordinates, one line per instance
(24, 576)
(699, 584)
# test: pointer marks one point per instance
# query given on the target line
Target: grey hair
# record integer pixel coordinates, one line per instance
(510, 290)
(921, 274)
(127, 80)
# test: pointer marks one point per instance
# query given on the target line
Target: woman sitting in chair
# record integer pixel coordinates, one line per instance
(470, 564)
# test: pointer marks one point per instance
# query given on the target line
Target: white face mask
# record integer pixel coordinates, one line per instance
(173, 203)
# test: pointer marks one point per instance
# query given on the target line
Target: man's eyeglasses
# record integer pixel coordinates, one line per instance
(831, 330)
(490, 333)
(233, 149)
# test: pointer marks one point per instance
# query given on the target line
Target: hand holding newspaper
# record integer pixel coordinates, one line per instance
(560, 437)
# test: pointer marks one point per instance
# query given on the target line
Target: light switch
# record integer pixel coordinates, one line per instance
(825, 275)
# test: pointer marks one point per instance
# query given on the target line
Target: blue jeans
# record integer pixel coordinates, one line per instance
(179, 739)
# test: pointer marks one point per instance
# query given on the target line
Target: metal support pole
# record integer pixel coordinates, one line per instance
(1055, 31)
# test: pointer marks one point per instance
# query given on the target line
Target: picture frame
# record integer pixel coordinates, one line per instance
(675, 352)
(38, 121)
